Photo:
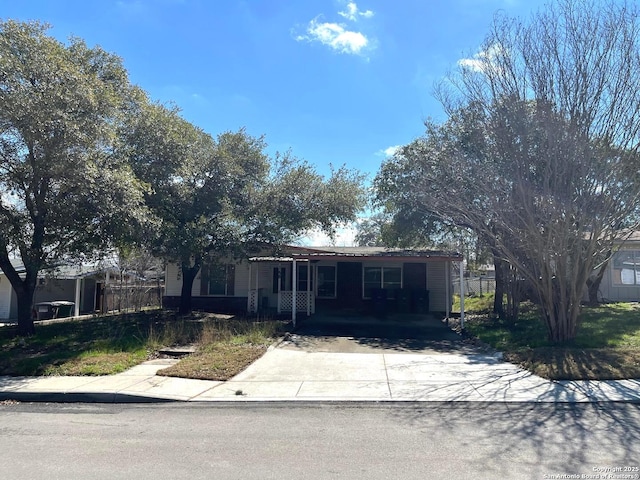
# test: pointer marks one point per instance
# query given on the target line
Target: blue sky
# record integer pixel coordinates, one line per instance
(335, 81)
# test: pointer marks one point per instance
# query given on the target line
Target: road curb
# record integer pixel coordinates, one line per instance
(81, 397)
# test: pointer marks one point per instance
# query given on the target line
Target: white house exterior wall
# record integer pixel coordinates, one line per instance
(173, 282)
(260, 275)
(5, 298)
(616, 293)
(436, 284)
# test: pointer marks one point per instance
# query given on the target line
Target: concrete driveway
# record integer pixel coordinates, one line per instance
(417, 334)
(409, 358)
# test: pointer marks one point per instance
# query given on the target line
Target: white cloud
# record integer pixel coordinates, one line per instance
(339, 36)
(482, 59)
(335, 36)
(391, 151)
(352, 12)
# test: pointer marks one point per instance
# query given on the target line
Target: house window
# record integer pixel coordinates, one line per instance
(302, 279)
(326, 281)
(388, 278)
(218, 280)
(626, 267)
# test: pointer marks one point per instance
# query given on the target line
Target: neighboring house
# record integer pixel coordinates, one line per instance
(83, 285)
(306, 280)
(621, 280)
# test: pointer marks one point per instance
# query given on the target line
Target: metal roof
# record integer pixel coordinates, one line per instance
(360, 252)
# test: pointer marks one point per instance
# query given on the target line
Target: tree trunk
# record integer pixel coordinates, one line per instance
(498, 300)
(24, 295)
(593, 284)
(24, 289)
(189, 273)
(513, 287)
(560, 312)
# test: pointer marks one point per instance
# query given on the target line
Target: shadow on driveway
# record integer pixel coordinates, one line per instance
(366, 334)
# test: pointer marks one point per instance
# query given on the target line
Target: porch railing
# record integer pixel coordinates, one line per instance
(253, 301)
(305, 301)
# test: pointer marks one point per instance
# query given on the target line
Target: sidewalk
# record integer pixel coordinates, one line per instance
(292, 375)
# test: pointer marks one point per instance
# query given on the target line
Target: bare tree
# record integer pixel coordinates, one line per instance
(553, 108)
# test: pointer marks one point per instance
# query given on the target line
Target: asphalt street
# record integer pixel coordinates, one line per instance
(320, 441)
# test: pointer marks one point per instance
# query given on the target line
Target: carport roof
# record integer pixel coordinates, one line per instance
(361, 252)
(67, 272)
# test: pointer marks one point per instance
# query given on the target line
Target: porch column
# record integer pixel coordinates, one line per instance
(105, 296)
(447, 288)
(308, 288)
(257, 288)
(76, 306)
(249, 291)
(294, 287)
(462, 294)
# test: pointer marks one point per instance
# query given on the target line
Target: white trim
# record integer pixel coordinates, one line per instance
(294, 287)
(462, 294)
(447, 288)
(309, 288)
(76, 307)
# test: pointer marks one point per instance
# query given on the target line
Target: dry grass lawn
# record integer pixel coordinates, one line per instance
(107, 345)
(607, 346)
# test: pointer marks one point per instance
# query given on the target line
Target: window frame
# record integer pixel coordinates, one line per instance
(382, 267)
(335, 282)
(228, 282)
(635, 269)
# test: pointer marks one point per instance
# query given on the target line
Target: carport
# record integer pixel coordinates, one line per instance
(354, 280)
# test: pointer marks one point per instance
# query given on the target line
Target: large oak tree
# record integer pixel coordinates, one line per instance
(225, 197)
(63, 191)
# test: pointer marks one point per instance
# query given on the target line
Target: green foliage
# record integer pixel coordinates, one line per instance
(88, 162)
(65, 191)
(224, 197)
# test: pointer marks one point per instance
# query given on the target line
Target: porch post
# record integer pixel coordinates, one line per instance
(308, 288)
(249, 291)
(105, 296)
(447, 288)
(76, 306)
(257, 288)
(294, 286)
(462, 294)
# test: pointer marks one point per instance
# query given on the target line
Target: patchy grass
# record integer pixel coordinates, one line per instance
(225, 348)
(607, 345)
(218, 361)
(112, 344)
(477, 304)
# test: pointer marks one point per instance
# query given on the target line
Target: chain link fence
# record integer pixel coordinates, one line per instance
(474, 286)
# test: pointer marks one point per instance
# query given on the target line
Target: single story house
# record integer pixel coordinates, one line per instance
(306, 280)
(621, 280)
(82, 285)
